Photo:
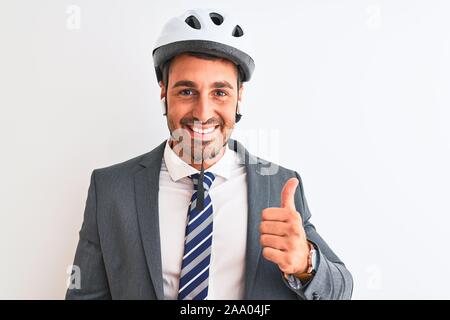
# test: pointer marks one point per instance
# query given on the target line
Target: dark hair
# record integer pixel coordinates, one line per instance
(206, 56)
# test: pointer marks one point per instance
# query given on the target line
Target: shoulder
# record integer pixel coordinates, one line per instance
(127, 169)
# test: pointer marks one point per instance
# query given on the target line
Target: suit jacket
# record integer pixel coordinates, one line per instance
(119, 254)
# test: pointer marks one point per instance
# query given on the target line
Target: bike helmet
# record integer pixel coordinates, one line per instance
(206, 31)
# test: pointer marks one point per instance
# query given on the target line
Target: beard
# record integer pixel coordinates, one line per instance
(196, 151)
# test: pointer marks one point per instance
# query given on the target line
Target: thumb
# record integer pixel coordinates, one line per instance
(287, 194)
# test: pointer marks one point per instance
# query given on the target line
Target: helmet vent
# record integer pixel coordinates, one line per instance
(193, 22)
(237, 31)
(216, 18)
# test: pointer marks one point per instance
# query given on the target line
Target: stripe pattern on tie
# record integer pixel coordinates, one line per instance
(194, 276)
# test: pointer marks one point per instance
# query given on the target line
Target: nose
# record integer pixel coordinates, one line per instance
(203, 109)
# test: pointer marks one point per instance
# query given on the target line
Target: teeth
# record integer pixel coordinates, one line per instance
(203, 131)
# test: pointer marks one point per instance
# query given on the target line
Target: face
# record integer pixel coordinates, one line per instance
(201, 97)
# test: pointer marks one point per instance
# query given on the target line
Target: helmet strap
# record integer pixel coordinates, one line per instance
(165, 94)
(238, 113)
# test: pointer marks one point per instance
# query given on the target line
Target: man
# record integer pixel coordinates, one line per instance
(199, 217)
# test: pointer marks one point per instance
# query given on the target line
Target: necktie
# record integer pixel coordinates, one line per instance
(194, 276)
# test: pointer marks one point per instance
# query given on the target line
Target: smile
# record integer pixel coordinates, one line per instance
(202, 132)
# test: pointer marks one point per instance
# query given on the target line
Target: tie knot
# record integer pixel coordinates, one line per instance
(207, 181)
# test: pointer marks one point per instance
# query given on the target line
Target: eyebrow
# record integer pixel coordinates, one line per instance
(184, 83)
(192, 84)
(222, 84)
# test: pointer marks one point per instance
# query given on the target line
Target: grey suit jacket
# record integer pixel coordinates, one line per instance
(119, 255)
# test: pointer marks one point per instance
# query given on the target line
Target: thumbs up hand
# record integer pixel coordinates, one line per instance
(282, 235)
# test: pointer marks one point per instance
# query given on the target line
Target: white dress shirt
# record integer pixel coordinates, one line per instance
(228, 194)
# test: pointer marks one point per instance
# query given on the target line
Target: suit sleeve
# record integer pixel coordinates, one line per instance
(88, 263)
(332, 280)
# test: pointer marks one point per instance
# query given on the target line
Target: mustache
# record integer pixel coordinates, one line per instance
(195, 121)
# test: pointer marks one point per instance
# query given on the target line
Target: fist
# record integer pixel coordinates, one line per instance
(282, 235)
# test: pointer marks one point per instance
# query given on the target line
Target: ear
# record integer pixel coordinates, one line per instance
(163, 90)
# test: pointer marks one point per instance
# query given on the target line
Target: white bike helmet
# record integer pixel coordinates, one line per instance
(205, 31)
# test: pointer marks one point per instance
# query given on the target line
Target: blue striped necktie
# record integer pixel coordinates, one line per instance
(194, 276)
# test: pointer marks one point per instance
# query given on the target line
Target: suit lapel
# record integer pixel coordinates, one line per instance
(146, 183)
(258, 196)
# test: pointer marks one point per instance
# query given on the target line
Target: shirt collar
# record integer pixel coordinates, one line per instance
(178, 169)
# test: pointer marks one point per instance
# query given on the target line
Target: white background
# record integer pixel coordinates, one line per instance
(356, 94)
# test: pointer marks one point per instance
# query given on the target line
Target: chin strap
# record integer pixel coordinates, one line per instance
(201, 190)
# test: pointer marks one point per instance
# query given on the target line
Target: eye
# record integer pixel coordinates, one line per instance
(221, 93)
(186, 92)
